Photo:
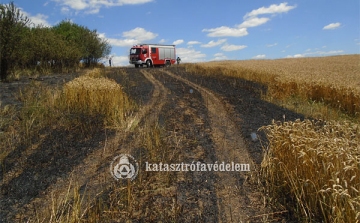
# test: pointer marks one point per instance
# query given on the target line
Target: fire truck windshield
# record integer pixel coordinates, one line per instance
(135, 51)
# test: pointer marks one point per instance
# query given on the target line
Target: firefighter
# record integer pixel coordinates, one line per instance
(178, 60)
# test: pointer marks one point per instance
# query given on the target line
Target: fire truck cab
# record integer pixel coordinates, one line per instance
(152, 55)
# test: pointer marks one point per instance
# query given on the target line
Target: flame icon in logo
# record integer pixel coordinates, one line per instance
(124, 166)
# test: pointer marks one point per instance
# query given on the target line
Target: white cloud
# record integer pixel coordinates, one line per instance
(38, 19)
(193, 42)
(126, 2)
(93, 6)
(329, 52)
(219, 56)
(74, 4)
(226, 31)
(178, 42)
(65, 10)
(295, 56)
(250, 20)
(162, 41)
(140, 34)
(316, 53)
(332, 26)
(299, 55)
(132, 37)
(119, 61)
(115, 60)
(271, 45)
(228, 47)
(93, 11)
(122, 42)
(260, 56)
(272, 9)
(253, 21)
(213, 43)
(190, 55)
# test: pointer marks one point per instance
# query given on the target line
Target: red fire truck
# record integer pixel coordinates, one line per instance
(152, 55)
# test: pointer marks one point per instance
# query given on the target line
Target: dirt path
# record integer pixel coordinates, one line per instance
(236, 200)
(153, 108)
(193, 124)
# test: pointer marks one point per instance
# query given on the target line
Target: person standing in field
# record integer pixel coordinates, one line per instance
(110, 61)
(178, 60)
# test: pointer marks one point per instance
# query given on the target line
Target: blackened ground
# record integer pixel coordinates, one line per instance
(52, 160)
(134, 84)
(10, 90)
(32, 170)
(251, 112)
(183, 117)
(186, 116)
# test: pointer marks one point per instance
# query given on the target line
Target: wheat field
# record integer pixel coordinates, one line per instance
(94, 94)
(333, 80)
(340, 71)
(315, 165)
(311, 167)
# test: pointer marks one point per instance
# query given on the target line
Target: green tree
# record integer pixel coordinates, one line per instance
(94, 48)
(87, 41)
(45, 48)
(48, 50)
(13, 27)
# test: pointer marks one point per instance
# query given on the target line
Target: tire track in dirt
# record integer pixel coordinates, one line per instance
(236, 200)
(153, 108)
(188, 138)
(92, 175)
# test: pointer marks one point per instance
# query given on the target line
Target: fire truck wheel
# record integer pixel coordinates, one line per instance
(137, 65)
(148, 63)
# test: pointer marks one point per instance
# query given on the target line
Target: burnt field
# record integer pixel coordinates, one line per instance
(60, 172)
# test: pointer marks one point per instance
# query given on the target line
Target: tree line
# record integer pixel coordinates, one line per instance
(63, 46)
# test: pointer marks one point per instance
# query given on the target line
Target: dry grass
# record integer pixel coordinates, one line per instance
(85, 104)
(81, 101)
(148, 198)
(8, 132)
(90, 96)
(93, 94)
(314, 166)
(334, 81)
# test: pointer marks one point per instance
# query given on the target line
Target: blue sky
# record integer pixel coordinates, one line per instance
(213, 29)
